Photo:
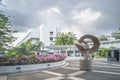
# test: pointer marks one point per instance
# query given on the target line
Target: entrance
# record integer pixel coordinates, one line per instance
(113, 55)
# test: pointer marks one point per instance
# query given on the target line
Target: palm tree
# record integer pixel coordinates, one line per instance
(37, 46)
(65, 39)
(71, 38)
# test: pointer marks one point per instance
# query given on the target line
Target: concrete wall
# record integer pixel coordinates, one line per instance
(22, 68)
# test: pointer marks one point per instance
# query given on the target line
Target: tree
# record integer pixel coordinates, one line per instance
(26, 48)
(5, 31)
(103, 38)
(116, 34)
(103, 52)
(37, 46)
(112, 47)
(65, 39)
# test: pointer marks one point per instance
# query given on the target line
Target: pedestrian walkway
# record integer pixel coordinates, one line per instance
(102, 70)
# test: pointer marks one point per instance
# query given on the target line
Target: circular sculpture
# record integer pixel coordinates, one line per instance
(83, 46)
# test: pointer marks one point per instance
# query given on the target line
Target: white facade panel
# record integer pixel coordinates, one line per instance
(48, 34)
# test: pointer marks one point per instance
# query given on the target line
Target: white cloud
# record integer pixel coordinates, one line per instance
(86, 15)
(74, 30)
(53, 10)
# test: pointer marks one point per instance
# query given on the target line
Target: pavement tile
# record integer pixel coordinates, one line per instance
(64, 71)
(89, 75)
(3, 77)
(31, 76)
(66, 78)
(102, 70)
(107, 69)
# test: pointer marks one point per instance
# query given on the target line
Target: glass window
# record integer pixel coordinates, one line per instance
(51, 44)
(51, 33)
(51, 38)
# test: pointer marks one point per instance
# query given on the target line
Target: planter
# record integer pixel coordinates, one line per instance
(112, 59)
(85, 65)
(30, 67)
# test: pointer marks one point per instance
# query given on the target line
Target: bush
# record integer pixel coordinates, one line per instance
(23, 59)
(97, 56)
(103, 52)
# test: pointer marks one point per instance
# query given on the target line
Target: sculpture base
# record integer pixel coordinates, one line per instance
(85, 65)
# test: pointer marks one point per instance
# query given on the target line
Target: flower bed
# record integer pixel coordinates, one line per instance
(36, 59)
(29, 63)
(29, 67)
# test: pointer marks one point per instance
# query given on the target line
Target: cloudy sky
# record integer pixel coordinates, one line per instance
(97, 17)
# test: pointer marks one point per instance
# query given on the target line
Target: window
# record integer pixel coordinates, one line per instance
(51, 33)
(51, 38)
(51, 44)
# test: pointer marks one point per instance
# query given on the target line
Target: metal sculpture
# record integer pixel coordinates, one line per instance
(83, 46)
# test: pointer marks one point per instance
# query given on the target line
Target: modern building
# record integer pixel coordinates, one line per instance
(71, 51)
(20, 37)
(116, 34)
(114, 54)
(48, 34)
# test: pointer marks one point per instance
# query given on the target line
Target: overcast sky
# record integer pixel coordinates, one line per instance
(97, 17)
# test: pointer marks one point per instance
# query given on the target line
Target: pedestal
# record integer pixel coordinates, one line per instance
(86, 65)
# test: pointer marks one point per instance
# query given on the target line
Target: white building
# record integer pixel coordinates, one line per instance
(48, 34)
(20, 37)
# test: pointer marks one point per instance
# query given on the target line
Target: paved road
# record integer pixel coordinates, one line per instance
(102, 70)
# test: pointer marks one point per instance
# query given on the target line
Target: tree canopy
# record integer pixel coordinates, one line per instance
(5, 30)
(26, 48)
(65, 39)
(103, 38)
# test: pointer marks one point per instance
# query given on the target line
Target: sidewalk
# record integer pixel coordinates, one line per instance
(101, 71)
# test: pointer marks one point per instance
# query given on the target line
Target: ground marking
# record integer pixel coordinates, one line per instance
(105, 72)
(71, 68)
(106, 66)
(118, 65)
(55, 78)
(75, 78)
(53, 73)
(76, 73)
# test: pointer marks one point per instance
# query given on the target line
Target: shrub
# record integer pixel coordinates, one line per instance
(97, 56)
(23, 59)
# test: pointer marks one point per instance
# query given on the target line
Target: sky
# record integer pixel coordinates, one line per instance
(96, 17)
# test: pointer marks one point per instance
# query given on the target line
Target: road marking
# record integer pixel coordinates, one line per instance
(118, 65)
(75, 78)
(65, 64)
(59, 78)
(53, 73)
(100, 63)
(105, 72)
(76, 73)
(106, 66)
(55, 78)
(71, 68)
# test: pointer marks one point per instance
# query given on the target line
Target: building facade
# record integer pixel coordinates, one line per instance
(48, 34)
(20, 37)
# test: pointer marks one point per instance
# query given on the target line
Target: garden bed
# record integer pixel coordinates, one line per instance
(28, 63)
(29, 67)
